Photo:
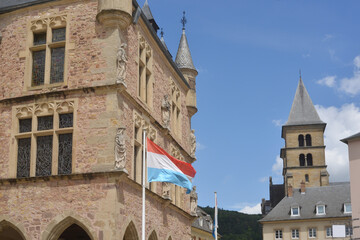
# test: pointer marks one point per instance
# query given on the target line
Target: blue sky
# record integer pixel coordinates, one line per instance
(248, 54)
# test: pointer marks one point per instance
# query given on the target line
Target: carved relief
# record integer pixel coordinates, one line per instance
(44, 108)
(193, 201)
(64, 107)
(137, 120)
(148, 51)
(192, 143)
(166, 108)
(176, 153)
(58, 21)
(24, 112)
(121, 60)
(39, 25)
(141, 123)
(166, 190)
(142, 42)
(120, 149)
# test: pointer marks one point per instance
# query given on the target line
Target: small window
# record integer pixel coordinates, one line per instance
(278, 234)
(329, 232)
(201, 222)
(312, 232)
(295, 234)
(347, 208)
(302, 159)
(306, 177)
(309, 159)
(308, 139)
(348, 231)
(301, 140)
(320, 210)
(25, 125)
(295, 211)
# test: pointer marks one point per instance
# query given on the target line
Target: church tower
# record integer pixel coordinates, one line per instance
(304, 152)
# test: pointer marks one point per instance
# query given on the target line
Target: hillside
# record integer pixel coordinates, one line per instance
(234, 225)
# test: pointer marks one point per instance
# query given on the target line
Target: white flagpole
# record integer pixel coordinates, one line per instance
(216, 217)
(143, 187)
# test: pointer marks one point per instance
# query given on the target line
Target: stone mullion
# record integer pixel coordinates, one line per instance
(48, 56)
(33, 147)
(55, 155)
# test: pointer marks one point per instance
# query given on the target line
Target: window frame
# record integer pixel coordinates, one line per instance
(317, 209)
(327, 232)
(297, 234)
(46, 25)
(145, 72)
(346, 206)
(278, 234)
(298, 211)
(312, 232)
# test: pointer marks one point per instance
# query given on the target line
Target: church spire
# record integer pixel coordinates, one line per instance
(147, 12)
(302, 110)
(183, 57)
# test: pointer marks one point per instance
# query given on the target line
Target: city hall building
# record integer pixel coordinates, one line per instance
(79, 82)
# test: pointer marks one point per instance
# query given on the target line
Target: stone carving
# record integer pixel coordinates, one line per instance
(192, 143)
(44, 108)
(121, 61)
(166, 190)
(193, 201)
(120, 149)
(58, 21)
(23, 112)
(64, 107)
(166, 108)
(39, 25)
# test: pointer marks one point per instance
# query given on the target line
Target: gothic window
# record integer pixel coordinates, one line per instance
(301, 140)
(309, 160)
(48, 51)
(145, 72)
(308, 140)
(302, 159)
(51, 136)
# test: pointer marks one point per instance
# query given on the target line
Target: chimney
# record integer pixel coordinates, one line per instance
(302, 189)
(290, 191)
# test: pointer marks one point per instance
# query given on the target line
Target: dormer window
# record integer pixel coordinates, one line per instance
(347, 208)
(320, 209)
(201, 221)
(295, 211)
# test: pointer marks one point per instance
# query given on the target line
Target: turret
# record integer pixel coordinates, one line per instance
(115, 13)
(185, 63)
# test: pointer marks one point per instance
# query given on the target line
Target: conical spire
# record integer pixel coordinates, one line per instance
(302, 110)
(162, 39)
(183, 57)
(147, 12)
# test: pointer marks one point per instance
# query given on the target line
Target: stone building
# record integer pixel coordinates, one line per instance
(202, 227)
(79, 82)
(306, 205)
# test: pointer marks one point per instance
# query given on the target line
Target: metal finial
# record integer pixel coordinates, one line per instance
(162, 33)
(300, 72)
(183, 20)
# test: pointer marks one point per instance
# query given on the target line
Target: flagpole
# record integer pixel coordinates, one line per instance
(143, 186)
(216, 217)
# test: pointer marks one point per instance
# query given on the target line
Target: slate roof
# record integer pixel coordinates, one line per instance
(11, 5)
(302, 110)
(333, 197)
(353, 137)
(183, 57)
(206, 218)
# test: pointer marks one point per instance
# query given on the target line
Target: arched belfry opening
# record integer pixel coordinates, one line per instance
(9, 232)
(153, 236)
(131, 233)
(301, 140)
(74, 232)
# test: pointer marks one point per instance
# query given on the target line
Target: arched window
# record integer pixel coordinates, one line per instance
(302, 159)
(74, 232)
(309, 159)
(131, 233)
(306, 177)
(301, 140)
(153, 236)
(9, 232)
(308, 140)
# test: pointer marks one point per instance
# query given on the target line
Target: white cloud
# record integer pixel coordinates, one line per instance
(278, 122)
(252, 209)
(328, 81)
(352, 85)
(278, 166)
(263, 179)
(200, 146)
(327, 37)
(341, 123)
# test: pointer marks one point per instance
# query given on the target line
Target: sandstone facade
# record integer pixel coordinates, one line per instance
(103, 201)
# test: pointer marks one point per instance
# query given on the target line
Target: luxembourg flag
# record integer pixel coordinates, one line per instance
(165, 168)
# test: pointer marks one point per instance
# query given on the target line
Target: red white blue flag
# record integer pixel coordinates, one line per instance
(162, 167)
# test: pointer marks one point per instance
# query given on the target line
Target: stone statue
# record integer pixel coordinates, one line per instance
(121, 61)
(193, 201)
(166, 190)
(192, 143)
(166, 107)
(120, 149)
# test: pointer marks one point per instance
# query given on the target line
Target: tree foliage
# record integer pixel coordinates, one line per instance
(234, 225)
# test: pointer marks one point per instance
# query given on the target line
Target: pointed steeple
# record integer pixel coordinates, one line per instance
(183, 57)
(147, 12)
(302, 110)
(162, 39)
